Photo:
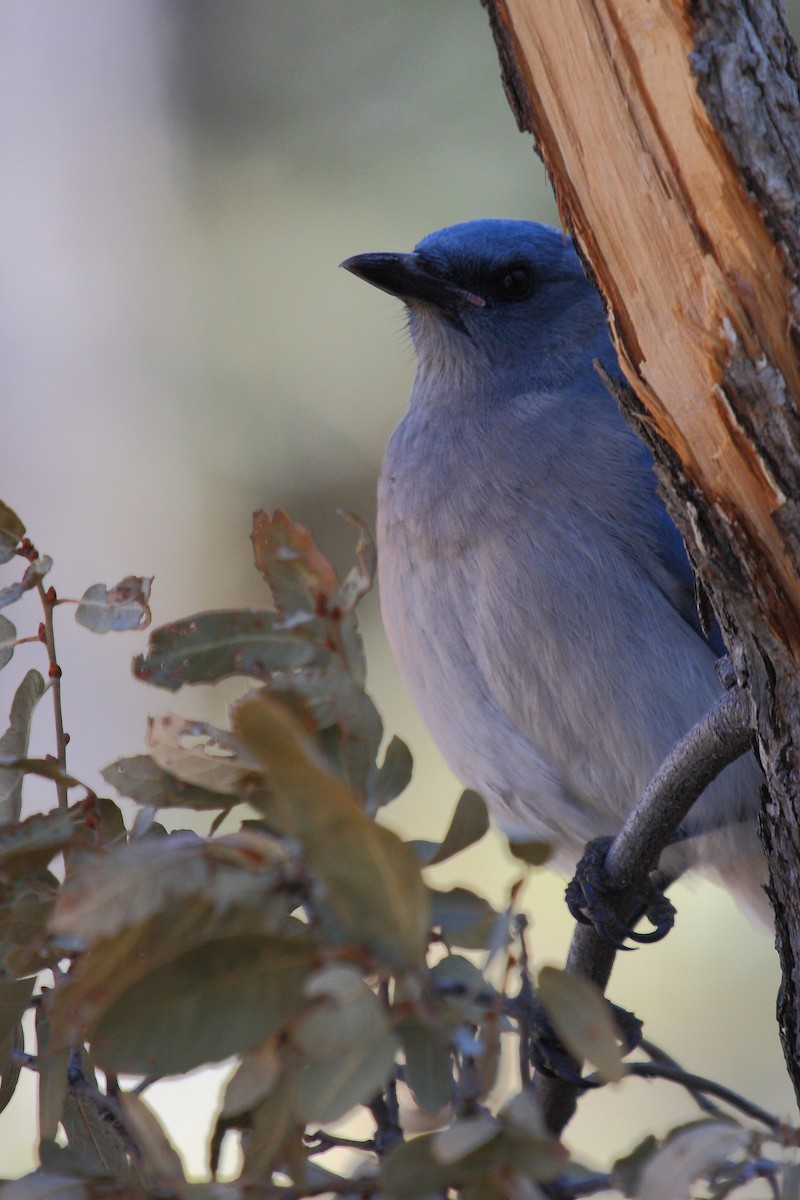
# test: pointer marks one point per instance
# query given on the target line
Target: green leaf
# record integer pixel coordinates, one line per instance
(347, 1043)
(200, 754)
(53, 1062)
(142, 780)
(298, 574)
(306, 589)
(130, 883)
(25, 907)
(34, 573)
(469, 823)
(464, 918)
(370, 877)
(12, 531)
(690, 1153)
(581, 1016)
(462, 986)
(219, 998)
(15, 995)
(213, 645)
(46, 1185)
(29, 845)
(255, 1077)
(627, 1172)
(125, 606)
(159, 1157)
(272, 1126)
(428, 1165)
(331, 700)
(14, 742)
(9, 1066)
(8, 640)
(391, 778)
(328, 1088)
(429, 1064)
(98, 1146)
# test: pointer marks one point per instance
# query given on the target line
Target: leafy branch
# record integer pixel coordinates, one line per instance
(300, 935)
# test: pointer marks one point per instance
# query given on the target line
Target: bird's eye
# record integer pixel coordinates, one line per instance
(516, 284)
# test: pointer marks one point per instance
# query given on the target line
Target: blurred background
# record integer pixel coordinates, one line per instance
(181, 179)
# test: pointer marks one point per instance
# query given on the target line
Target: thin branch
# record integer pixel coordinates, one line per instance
(722, 736)
(697, 1083)
(49, 601)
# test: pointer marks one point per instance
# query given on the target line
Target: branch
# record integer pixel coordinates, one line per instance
(722, 736)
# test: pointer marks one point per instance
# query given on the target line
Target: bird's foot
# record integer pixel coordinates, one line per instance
(548, 1054)
(615, 912)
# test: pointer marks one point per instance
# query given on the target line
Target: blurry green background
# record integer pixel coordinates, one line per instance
(180, 180)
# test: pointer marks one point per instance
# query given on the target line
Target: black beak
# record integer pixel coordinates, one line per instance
(404, 276)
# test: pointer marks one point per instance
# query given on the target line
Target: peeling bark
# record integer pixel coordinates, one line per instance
(676, 165)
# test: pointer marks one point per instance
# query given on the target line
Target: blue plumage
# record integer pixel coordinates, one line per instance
(536, 594)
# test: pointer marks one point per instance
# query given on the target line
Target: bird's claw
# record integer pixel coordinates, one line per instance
(592, 900)
(549, 1056)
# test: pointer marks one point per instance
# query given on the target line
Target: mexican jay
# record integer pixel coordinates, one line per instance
(535, 592)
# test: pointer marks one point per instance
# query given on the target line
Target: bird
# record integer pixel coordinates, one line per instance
(535, 592)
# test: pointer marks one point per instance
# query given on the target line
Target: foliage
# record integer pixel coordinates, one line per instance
(300, 936)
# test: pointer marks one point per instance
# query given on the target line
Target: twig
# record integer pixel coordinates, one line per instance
(697, 1083)
(660, 1056)
(719, 738)
(319, 1141)
(49, 600)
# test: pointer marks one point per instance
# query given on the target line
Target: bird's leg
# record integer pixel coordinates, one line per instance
(615, 911)
(546, 1052)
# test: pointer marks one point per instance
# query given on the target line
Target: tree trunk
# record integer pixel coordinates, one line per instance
(671, 131)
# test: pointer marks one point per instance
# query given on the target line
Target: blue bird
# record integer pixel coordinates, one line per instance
(535, 592)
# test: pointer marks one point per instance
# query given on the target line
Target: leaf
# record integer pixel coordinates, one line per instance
(306, 589)
(581, 1016)
(361, 576)
(14, 742)
(96, 1142)
(347, 1043)
(213, 645)
(29, 845)
(370, 877)
(126, 885)
(462, 986)
(463, 1136)
(627, 1171)
(391, 778)
(25, 907)
(200, 754)
(425, 1166)
(12, 531)
(535, 854)
(469, 823)
(464, 918)
(215, 1000)
(328, 1088)
(159, 1156)
(8, 640)
(10, 1068)
(53, 1063)
(429, 1064)
(141, 779)
(690, 1153)
(122, 607)
(331, 700)
(272, 1126)
(298, 574)
(34, 573)
(46, 1185)
(255, 1077)
(15, 996)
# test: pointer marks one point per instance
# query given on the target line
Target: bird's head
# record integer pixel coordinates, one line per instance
(507, 299)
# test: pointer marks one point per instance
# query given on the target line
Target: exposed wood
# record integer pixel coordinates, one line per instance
(671, 131)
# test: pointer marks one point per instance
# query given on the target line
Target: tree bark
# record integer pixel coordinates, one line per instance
(671, 131)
